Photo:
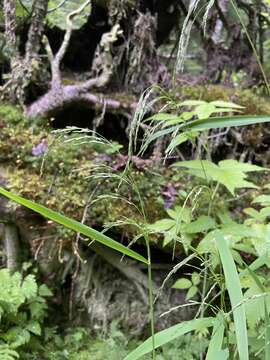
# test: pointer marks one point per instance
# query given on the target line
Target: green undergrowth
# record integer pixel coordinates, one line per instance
(60, 177)
(27, 334)
(252, 103)
(66, 174)
(79, 344)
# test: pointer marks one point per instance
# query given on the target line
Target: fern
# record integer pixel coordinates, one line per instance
(22, 311)
(8, 354)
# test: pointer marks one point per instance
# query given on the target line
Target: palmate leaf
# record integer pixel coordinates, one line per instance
(230, 173)
(73, 225)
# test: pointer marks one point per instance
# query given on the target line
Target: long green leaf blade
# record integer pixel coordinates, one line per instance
(235, 293)
(167, 335)
(226, 121)
(73, 225)
(266, 312)
(215, 345)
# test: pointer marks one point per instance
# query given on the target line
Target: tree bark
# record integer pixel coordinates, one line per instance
(12, 247)
(10, 27)
(35, 33)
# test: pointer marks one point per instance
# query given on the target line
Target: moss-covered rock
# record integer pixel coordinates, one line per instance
(63, 169)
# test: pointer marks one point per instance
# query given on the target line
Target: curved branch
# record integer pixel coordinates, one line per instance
(24, 7)
(62, 3)
(57, 98)
(63, 48)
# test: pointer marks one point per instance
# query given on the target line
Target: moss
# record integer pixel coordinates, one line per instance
(64, 176)
(254, 105)
(61, 177)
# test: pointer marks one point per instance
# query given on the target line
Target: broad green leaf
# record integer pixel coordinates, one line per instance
(204, 111)
(263, 200)
(261, 238)
(226, 104)
(182, 283)
(192, 103)
(18, 336)
(34, 327)
(253, 213)
(179, 213)
(230, 173)
(29, 287)
(162, 225)
(44, 291)
(169, 236)
(233, 285)
(37, 309)
(203, 223)
(162, 117)
(192, 291)
(195, 277)
(237, 230)
(163, 337)
(73, 225)
(226, 121)
(265, 212)
(185, 116)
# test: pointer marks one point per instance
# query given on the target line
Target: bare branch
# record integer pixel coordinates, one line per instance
(24, 7)
(63, 48)
(57, 98)
(62, 3)
(48, 48)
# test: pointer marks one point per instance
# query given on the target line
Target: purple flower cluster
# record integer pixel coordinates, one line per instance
(169, 193)
(40, 148)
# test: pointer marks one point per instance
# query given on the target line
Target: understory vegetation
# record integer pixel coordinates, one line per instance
(134, 180)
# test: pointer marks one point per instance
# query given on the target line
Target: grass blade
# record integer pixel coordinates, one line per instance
(266, 312)
(215, 345)
(73, 225)
(235, 293)
(167, 335)
(226, 121)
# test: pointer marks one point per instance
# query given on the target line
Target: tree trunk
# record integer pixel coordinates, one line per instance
(12, 247)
